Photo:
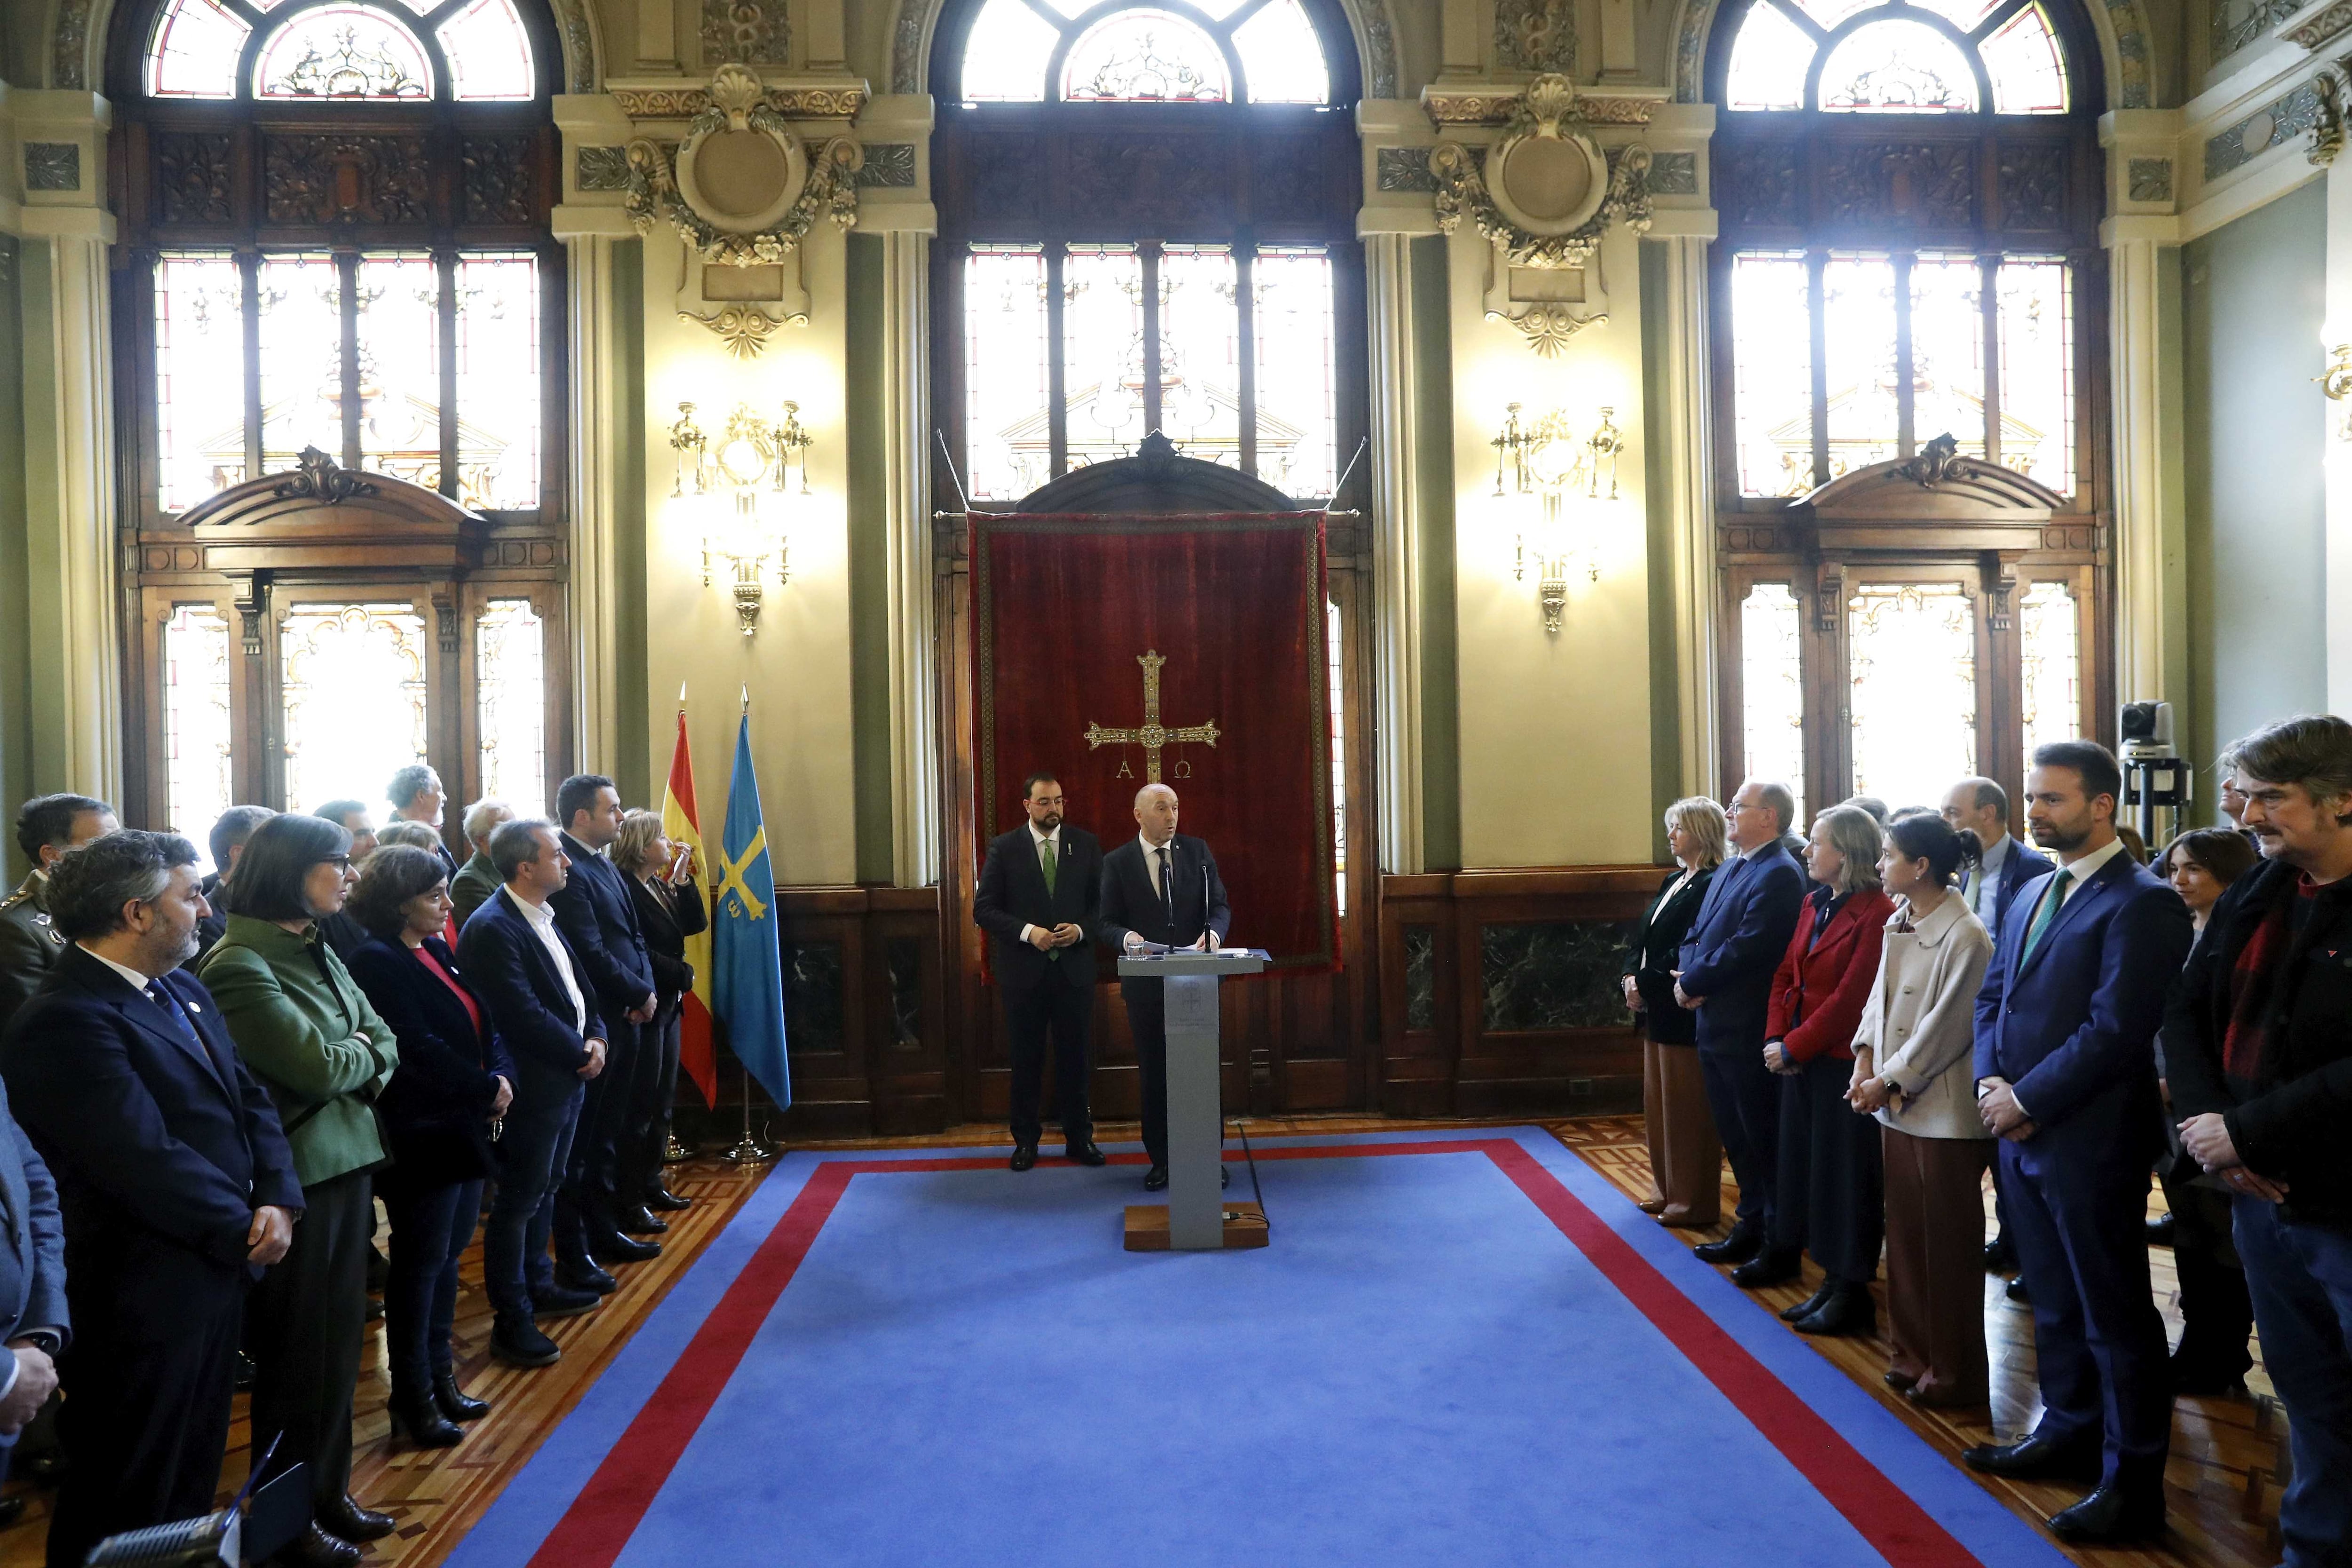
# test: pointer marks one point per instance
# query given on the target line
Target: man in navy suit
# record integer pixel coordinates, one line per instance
(174, 1180)
(598, 917)
(2065, 1064)
(1161, 888)
(545, 1010)
(1727, 962)
(1040, 898)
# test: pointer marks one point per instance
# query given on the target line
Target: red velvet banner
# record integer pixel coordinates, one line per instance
(1153, 634)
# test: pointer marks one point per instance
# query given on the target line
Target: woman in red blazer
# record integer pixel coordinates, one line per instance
(1830, 1172)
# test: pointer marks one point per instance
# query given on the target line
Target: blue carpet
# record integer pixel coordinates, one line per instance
(966, 1368)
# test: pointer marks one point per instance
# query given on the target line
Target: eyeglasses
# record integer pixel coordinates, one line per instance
(339, 862)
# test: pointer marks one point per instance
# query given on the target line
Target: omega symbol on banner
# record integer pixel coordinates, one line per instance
(1152, 735)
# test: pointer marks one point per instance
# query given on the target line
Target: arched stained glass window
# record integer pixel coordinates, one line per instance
(469, 50)
(1897, 57)
(1178, 52)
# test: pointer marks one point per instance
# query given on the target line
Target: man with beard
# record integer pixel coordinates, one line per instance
(1040, 898)
(2066, 1031)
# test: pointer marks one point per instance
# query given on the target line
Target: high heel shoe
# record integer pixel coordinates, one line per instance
(417, 1420)
(454, 1403)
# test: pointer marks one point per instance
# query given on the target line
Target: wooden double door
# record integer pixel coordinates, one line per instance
(1291, 1042)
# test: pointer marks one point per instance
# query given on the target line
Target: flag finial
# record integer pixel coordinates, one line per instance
(747, 697)
(681, 695)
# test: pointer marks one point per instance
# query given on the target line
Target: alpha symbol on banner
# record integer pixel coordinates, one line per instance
(1152, 735)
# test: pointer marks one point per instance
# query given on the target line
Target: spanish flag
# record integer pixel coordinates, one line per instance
(697, 1056)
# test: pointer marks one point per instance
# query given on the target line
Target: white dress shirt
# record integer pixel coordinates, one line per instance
(1151, 861)
(543, 925)
(131, 977)
(1984, 884)
(1039, 843)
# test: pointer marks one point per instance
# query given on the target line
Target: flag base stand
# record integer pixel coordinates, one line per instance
(750, 1151)
(675, 1152)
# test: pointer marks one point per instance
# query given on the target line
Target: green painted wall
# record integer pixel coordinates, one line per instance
(635, 771)
(1666, 694)
(868, 417)
(1433, 479)
(2253, 297)
(16, 650)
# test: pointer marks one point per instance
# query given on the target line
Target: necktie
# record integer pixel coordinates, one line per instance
(1167, 892)
(163, 998)
(1972, 890)
(1046, 863)
(2047, 912)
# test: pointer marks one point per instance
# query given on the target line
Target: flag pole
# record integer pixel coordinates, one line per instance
(748, 1150)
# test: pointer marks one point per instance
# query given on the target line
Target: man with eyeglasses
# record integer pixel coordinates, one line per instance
(1734, 945)
(1040, 899)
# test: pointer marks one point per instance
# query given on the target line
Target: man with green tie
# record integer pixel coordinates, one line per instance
(1039, 899)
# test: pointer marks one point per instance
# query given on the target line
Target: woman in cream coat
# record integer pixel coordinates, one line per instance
(1914, 1067)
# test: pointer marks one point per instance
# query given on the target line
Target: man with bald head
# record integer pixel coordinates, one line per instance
(1160, 888)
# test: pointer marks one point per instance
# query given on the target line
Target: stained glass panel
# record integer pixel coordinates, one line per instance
(199, 378)
(2036, 316)
(355, 692)
(197, 731)
(1297, 424)
(487, 50)
(1102, 352)
(1962, 14)
(2028, 74)
(1912, 670)
(301, 359)
(2050, 633)
(510, 692)
(1898, 67)
(1337, 699)
(1199, 353)
(1773, 373)
(1004, 58)
(194, 50)
(1146, 57)
(1830, 13)
(1947, 379)
(497, 381)
(1859, 346)
(343, 51)
(1008, 445)
(1282, 59)
(399, 299)
(1772, 688)
(1769, 61)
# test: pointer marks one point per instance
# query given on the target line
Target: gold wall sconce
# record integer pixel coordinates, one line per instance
(1570, 487)
(739, 489)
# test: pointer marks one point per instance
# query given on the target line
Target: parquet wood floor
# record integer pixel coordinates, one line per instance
(438, 1496)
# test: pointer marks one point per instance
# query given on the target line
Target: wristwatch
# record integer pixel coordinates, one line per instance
(1886, 1082)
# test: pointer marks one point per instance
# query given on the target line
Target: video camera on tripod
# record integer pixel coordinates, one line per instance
(2155, 776)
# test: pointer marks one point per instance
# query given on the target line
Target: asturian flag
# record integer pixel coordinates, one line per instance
(682, 822)
(747, 972)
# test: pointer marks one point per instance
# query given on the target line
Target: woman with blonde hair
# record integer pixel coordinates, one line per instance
(671, 909)
(1686, 1157)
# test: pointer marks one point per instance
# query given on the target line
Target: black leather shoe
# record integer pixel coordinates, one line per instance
(1901, 1382)
(639, 1221)
(12, 1509)
(2016, 1291)
(417, 1420)
(2000, 1256)
(2159, 1230)
(345, 1517)
(2111, 1516)
(2034, 1457)
(1810, 1304)
(455, 1403)
(1155, 1179)
(563, 1301)
(612, 1247)
(1025, 1156)
(314, 1548)
(666, 1201)
(580, 1274)
(1849, 1310)
(1776, 1266)
(1085, 1154)
(2195, 1372)
(517, 1342)
(1744, 1243)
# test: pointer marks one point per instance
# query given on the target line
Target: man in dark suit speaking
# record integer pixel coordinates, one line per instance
(1160, 888)
(1040, 896)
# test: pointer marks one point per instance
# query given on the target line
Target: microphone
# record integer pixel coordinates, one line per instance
(1204, 903)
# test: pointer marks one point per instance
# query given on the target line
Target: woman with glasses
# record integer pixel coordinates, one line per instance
(310, 1035)
(1686, 1156)
(440, 1112)
(1829, 1202)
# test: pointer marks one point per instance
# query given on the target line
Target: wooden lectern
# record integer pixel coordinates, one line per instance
(1196, 1218)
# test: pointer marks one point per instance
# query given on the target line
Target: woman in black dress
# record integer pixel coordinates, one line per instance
(670, 910)
(1685, 1159)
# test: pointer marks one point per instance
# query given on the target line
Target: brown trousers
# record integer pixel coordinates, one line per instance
(1686, 1157)
(1935, 1261)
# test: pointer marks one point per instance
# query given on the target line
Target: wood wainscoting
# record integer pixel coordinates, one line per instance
(1499, 991)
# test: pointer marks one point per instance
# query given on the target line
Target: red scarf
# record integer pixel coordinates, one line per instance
(2253, 980)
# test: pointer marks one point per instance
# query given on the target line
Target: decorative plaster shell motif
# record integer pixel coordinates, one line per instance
(1547, 193)
(755, 207)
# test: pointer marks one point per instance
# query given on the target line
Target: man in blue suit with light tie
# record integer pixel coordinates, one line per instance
(2065, 1070)
(1734, 945)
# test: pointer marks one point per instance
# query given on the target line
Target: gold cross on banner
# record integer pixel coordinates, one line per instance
(1152, 735)
(732, 882)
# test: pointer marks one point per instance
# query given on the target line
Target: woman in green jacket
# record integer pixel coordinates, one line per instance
(307, 1032)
